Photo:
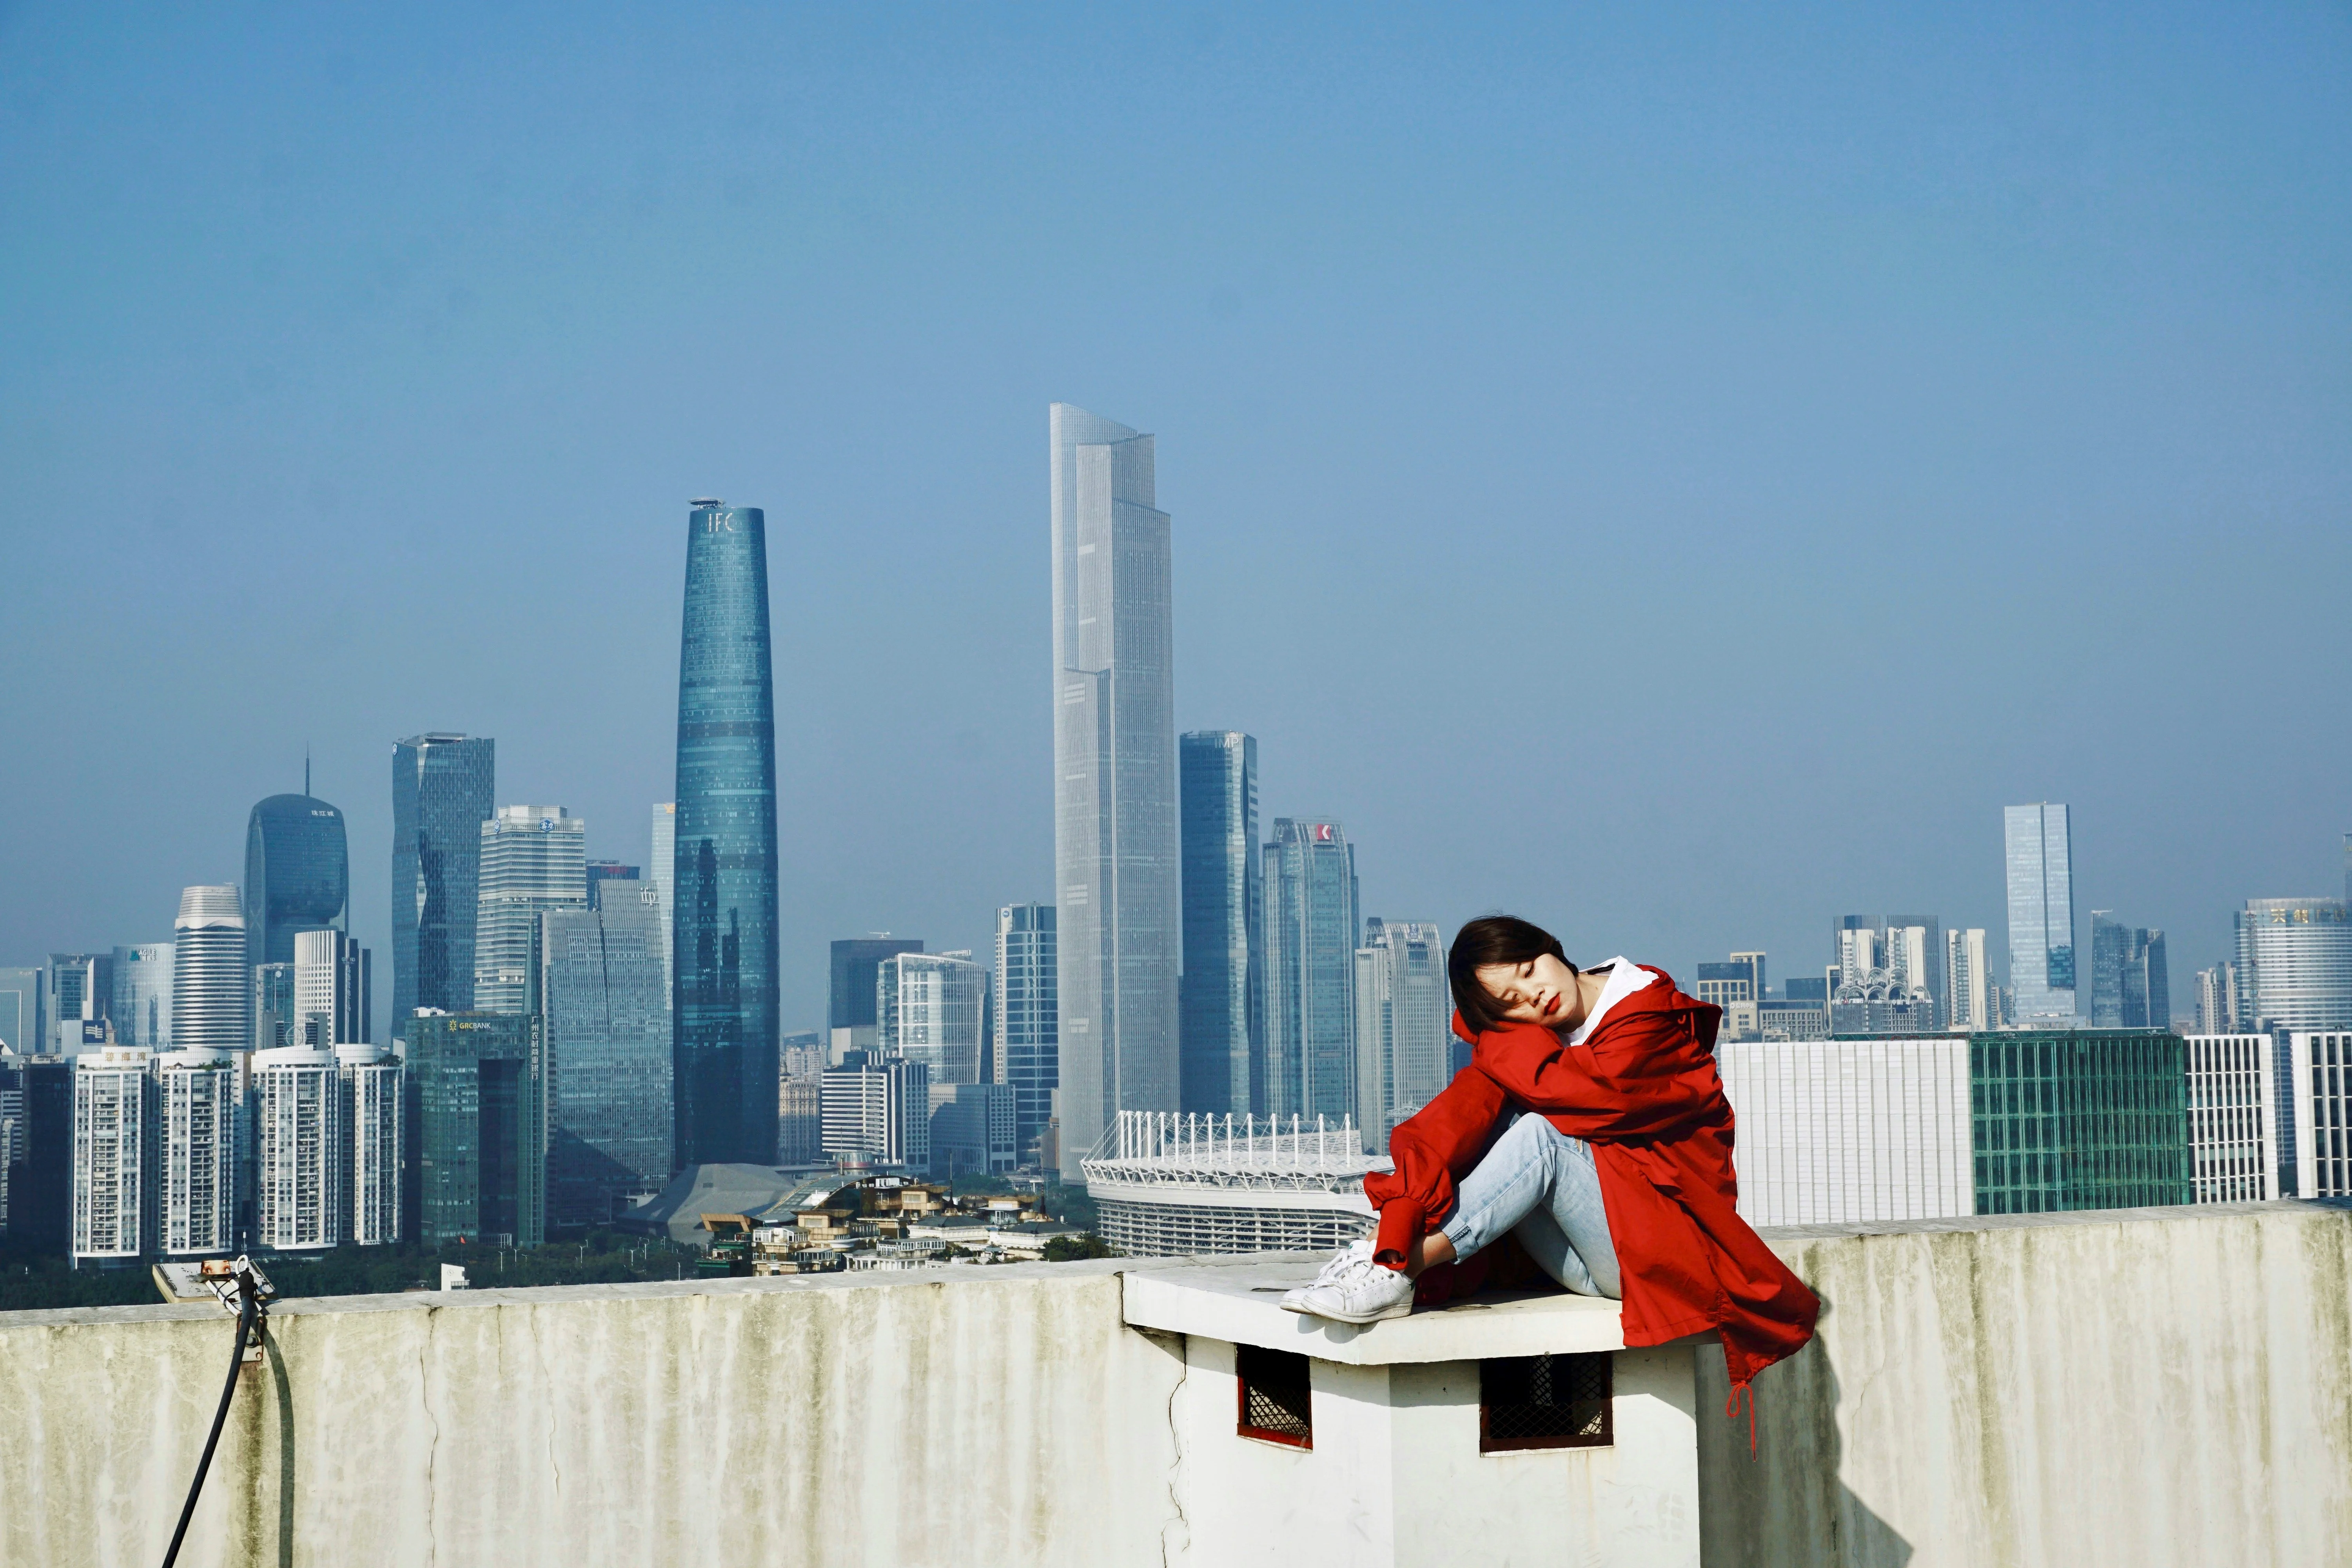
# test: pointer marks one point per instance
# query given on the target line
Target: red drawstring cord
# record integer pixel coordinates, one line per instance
(1731, 1411)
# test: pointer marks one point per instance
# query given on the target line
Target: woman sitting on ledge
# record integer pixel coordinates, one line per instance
(1591, 1125)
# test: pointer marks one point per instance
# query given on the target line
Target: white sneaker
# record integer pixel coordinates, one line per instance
(1340, 1263)
(1364, 1292)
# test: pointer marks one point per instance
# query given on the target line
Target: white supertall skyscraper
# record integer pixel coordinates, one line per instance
(210, 987)
(2040, 865)
(534, 858)
(1115, 831)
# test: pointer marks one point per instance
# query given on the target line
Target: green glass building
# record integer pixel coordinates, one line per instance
(2082, 1119)
(477, 1121)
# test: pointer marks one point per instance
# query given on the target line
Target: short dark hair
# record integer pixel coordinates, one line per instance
(1493, 939)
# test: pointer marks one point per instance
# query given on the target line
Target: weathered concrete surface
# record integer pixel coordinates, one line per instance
(2147, 1388)
(971, 1417)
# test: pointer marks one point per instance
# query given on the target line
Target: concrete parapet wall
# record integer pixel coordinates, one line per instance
(2143, 1388)
(1003, 1415)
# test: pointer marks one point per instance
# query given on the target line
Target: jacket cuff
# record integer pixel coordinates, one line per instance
(1402, 1223)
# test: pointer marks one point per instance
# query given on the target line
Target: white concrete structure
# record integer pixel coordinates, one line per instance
(533, 857)
(877, 1113)
(369, 1082)
(114, 1172)
(2232, 1151)
(2320, 1066)
(1979, 1393)
(201, 1096)
(298, 1149)
(1170, 1185)
(932, 1007)
(210, 989)
(1403, 1024)
(1832, 1132)
(1968, 980)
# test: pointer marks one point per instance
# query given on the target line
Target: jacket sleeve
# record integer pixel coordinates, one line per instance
(1433, 1150)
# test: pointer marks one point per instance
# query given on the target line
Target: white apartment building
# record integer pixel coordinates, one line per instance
(200, 1096)
(932, 1008)
(2231, 1118)
(1968, 981)
(114, 1181)
(297, 1149)
(371, 1085)
(878, 1112)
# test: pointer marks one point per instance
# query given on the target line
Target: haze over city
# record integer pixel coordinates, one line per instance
(1675, 478)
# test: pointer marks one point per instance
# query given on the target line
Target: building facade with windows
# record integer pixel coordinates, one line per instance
(1311, 930)
(932, 1008)
(1223, 992)
(605, 1026)
(2232, 1149)
(973, 1129)
(2038, 841)
(877, 1110)
(2294, 963)
(142, 1007)
(1405, 1036)
(442, 792)
(1968, 981)
(1117, 876)
(2130, 982)
(476, 1108)
(298, 1151)
(334, 983)
(76, 988)
(532, 858)
(296, 874)
(114, 1155)
(370, 1080)
(2319, 1065)
(1028, 1018)
(200, 1100)
(723, 935)
(210, 987)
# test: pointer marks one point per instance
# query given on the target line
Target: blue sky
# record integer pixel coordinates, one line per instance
(1674, 475)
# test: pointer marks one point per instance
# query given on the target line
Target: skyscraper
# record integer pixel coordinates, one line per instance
(1115, 837)
(76, 988)
(930, 1007)
(1223, 990)
(533, 857)
(1403, 1021)
(850, 1019)
(333, 979)
(1915, 961)
(372, 1080)
(661, 868)
(1967, 979)
(2129, 980)
(2040, 864)
(114, 1184)
(210, 988)
(608, 1053)
(21, 1017)
(476, 1104)
(724, 924)
(298, 873)
(2294, 963)
(1028, 1022)
(1311, 965)
(2220, 1007)
(299, 1150)
(441, 795)
(141, 1009)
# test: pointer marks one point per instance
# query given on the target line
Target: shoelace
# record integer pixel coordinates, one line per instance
(1342, 1265)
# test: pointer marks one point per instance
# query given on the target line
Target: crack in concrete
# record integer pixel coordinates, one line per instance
(432, 1448)
(1176, 1440)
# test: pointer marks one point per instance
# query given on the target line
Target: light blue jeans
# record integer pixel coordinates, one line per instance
(1542, 1187)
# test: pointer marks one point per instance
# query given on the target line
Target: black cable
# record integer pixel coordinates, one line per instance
(220, 1418)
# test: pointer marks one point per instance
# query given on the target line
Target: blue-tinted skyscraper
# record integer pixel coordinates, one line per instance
(2040, 864)
(724, 883)
(1311, 927)
(606, 1021)
(1028, 1018)
(297, 875)
(1221, 994)
(441, 791)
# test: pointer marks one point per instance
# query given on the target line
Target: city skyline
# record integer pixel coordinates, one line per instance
(2070, 378)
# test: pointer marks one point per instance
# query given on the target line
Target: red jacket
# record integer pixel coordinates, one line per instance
(1644, 1092)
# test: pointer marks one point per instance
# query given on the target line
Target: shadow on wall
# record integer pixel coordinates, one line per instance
(1783, 1506)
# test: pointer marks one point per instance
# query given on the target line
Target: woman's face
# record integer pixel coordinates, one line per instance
(1539, 991)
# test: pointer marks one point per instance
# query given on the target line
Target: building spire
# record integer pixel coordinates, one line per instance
(306, 767)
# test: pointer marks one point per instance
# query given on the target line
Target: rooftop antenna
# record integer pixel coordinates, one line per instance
(305, 768)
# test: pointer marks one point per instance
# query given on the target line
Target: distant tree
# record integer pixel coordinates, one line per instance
(1070, 1249)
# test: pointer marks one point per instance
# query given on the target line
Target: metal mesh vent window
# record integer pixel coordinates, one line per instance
(1544, 1402)
(1276, 1402)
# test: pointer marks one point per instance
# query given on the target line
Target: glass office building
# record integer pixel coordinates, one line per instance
(2040, 867)
(608, 1053)
(1028, 1021)
(141, 1009)
(1222, 995)
(476, 1106)
(850, 996)
(1310, 968)
(932, 1008)
(2131, 984)
(724, 876)
(297, 874)
(1115, 834)
(441, 796)
(533, 858)
(2294, 963)
(2079, 1119)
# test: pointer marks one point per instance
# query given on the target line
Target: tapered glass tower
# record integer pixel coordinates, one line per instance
(723, 915)
(297, 874)
(441, 786)
(1115, 836)
(1225, 925)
